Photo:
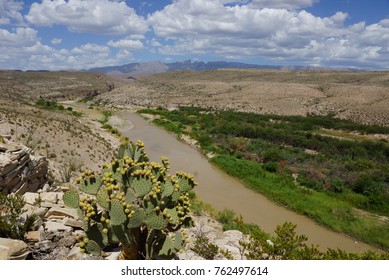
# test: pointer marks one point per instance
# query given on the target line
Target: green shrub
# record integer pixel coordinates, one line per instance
(226, 217)
(285, 244)
(270, 166)
(11, 225)
(204, 248)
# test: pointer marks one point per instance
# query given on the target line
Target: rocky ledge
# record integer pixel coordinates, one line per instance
(21, 172)
(56, 228)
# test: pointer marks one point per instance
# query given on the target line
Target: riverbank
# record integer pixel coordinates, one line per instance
(225, 192)
(337, 214)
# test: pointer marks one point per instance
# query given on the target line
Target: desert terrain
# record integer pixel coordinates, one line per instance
(70, 142)
(61, 85)
(359, 96)
(41, 110)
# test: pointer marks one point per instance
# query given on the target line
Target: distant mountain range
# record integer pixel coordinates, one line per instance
(148, 68)
(138, 69)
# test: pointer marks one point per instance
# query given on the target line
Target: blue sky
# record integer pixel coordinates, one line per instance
(80, 34)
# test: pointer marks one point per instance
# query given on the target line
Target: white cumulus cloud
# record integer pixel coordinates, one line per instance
(19, 38)
(56, 41)
(10, 11)
(126, 44)
(279, 34)
(93, 16)
(282, 4)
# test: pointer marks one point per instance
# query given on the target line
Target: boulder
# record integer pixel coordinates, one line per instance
(12, 249)
(31, 198)
(50, 197)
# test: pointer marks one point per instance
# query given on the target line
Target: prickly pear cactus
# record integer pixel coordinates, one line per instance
(133, 202)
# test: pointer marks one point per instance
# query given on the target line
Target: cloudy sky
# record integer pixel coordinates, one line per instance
(79, 34)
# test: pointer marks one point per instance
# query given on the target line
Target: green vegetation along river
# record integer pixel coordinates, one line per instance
(223, 191)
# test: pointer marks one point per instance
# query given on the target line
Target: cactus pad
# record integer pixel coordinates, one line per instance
(71, 199)
(141, 186)
(178, 242)
(90, 185)
(148, 206)
(116, 212)
(136, 153)
(156, 221)
(167, 247)
(129, 197)
(93, 248)
(121, 151)
(81, 216)
(137, 219)
(95, 233)
(122, 234)
(175, 196)
(102, 197)
(167, 188)
(173, 214)
(185, 185)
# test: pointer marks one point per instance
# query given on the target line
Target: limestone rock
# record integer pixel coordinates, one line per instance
(16, 249)
(3, 253)
(31, 198)
(72, 222)
(20, 172)
(50, 197)
(48, 204)
(60, 213)
(189, 255)
(55, 226)
(35, 236)
(75, 254)
(34, 210)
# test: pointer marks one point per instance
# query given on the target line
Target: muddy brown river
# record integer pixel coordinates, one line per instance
(223, 191)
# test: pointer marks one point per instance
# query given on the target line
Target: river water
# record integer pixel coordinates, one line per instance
(223, 191)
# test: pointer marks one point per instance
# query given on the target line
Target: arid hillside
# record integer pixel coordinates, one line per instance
(359, 96)
(29, 86)
(71, 141)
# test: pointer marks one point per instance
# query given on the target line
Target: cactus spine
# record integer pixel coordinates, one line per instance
(133, 202)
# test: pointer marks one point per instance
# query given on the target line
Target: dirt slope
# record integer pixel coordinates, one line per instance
(359, 96)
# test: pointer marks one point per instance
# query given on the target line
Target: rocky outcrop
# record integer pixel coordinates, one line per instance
(227, 241)
(53, 236)
(21, 172)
